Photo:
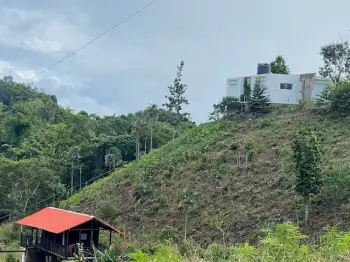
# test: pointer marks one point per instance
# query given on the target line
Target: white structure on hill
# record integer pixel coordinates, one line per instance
(282, 89)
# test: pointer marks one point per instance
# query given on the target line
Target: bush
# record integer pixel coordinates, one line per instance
(282, 243)
(336, 98)
(340, 99)
(336, 184)
(169, 233)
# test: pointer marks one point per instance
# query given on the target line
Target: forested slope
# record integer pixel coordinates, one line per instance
(44, 148)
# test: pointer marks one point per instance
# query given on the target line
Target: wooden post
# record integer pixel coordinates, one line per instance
(67, 243)
(92, 235)
(36, 237)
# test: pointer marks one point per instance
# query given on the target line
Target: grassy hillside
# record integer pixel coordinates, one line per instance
(223, 181)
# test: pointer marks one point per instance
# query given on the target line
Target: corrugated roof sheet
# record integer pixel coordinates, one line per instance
(57, 220)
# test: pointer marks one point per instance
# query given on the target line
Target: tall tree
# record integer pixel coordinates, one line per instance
(113, 158)
(139, 124)
(336, 59)
(307, 151)
(279, 66)
(152, 115)
(259, 100)
(26, 182)
(177, 98)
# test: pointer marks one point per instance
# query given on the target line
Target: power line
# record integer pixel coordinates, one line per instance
(68, 190)
(91, 41)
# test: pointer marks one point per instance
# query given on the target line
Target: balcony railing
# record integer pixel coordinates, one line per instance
(62, 251)
(26, 241)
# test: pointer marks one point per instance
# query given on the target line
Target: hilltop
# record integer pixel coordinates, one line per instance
(223, 181)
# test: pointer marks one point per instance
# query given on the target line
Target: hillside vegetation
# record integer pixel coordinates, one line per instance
(223, 181)
(48, 152)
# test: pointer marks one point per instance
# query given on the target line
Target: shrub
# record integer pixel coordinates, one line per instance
(259, 100)
(340, 99)
(169, 233)
(336, 184)
(336, 98)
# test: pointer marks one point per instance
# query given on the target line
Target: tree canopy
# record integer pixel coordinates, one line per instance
(279, 66)
(45, 148)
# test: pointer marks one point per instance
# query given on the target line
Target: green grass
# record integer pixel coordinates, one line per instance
(205, 172)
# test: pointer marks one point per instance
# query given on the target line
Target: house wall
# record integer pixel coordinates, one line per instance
(235, 86)
(276, 94)
(318, 86)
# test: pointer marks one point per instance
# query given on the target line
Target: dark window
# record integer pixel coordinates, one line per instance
(286, 86)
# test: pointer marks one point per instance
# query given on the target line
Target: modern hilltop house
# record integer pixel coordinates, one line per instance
(282, 89)
(52, 234)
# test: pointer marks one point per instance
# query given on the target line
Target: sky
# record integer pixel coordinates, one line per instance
(132, 66)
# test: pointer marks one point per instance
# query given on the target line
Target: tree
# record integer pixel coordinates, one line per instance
(340, 98)
(139, 123)
(26, 182)
(228, 104)
(325, 97)
(246, 90)
(336, 59)
(279, 66)
(113, 158)
(177, 98)
(307, 153)
(152, 115)
(336, 98)
(259, 100)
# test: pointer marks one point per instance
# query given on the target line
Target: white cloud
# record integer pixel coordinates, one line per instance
(66, 88)
(18, 73)
(41, 32)
(88, 104)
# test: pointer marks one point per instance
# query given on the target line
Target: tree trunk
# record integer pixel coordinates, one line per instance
(307, 206)
(71, 178)
(137, 145)
(80, 175)
(151, 140)
(185, 224)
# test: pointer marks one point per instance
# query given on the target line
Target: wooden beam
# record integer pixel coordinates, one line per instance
(88, 229)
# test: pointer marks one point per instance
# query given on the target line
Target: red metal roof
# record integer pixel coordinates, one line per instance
(57, 220)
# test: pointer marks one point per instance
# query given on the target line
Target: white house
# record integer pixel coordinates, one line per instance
(282, 89)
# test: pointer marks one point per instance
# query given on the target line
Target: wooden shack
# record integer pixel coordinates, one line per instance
(52, 234)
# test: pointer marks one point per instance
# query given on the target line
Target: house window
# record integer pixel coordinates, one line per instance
(83, 236)
(286, 86)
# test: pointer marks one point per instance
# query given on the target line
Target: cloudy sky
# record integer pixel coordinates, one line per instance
(130, 67)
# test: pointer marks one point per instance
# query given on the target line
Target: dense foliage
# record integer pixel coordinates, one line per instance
(336, 98)
(46, 151)
(336, 61)
(283, 242)
(259, 101)
(228, 105)
(279, 66)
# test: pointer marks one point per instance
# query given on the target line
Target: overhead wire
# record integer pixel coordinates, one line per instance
(74, 52)
(93, 40)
